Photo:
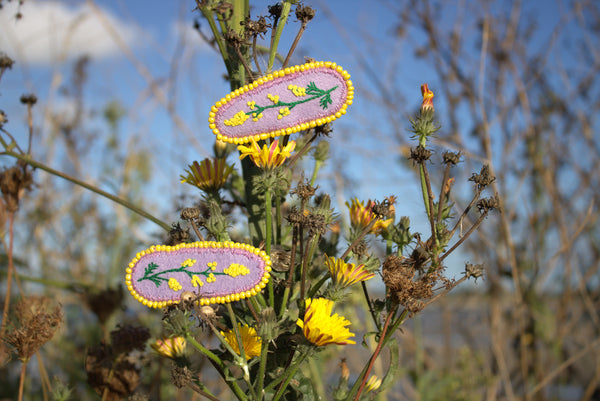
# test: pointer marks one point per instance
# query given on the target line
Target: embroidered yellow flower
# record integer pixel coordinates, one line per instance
(251, 104)
(208, 175)
(345, 274)
(211, 278)
(256, 117)
(361, 216)
(212, 265)
(236, 269)
(269, 156)
(188, 263)
(274, 99)
(173, 347)
(238, 119)
(174, 284)
(320, 327)
(250, 340)
(283, 112)
(196, 281)
(297, 90)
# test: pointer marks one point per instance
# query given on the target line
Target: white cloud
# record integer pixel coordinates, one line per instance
(50, 31)
(186, 31)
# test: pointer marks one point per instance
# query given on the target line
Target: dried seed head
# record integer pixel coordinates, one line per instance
(35, 323)
(420, 154)
(280, 258)
(190, 213)
(484, 178)
(275, 11)
(207, 315)
(113, 380)
(304, 190)
(3, 118)
(451, 158)
(5, 61)
(316, 224)
(233, 38)
(127, 338)
(181, 376)
(14, 181)
(474, 271)
(487, 204)
(324, 130)
(29, 99)
(105, 302)
(177, 235)
(304, 13)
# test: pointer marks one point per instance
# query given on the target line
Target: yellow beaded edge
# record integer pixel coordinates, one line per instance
(270, 77)
(202, 244)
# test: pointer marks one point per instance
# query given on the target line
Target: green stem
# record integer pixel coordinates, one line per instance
(27, 159)
(424, 189)
(261, 369)
(285, 11)
(269, 235)
(208, 15)
(318, 164)
(218, 364)
(286, 378)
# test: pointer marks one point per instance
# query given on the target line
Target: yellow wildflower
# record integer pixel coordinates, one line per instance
(269, 156)
(250, 340)
(320, 327)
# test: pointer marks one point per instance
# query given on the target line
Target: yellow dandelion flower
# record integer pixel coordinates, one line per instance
(345, 274)
(174, 284)
(320, 327)
(373, 383)
(208, 175)
(361, 216)
(269, 156)
(173, 347)
(250, 340)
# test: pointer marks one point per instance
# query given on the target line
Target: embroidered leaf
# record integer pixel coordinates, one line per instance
(311, 89)
(151, 267)
(325, 101)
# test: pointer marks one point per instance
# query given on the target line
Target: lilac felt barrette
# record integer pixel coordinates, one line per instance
(217, 272)
(283, 102)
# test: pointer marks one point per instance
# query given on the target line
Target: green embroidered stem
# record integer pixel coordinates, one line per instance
(311, 89)
(27, 159)
(157, 279)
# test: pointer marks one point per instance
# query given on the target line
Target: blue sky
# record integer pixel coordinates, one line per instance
(159, 36)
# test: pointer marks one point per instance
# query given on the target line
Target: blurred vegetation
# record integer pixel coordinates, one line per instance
(526, 107)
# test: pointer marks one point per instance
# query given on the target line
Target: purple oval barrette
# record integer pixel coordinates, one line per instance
(217, 272)
(283, 102)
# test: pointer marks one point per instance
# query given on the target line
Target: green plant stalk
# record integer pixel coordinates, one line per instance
(51, 283)
(27, 159)
(318, 164)
(208, 15)
(238, 337)
(424, 190)
(278, 239)
(269, 235)
(285, 11)
(219, 365)
(261, 369)
(316, 380)
(385, 337)
(286, 378)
